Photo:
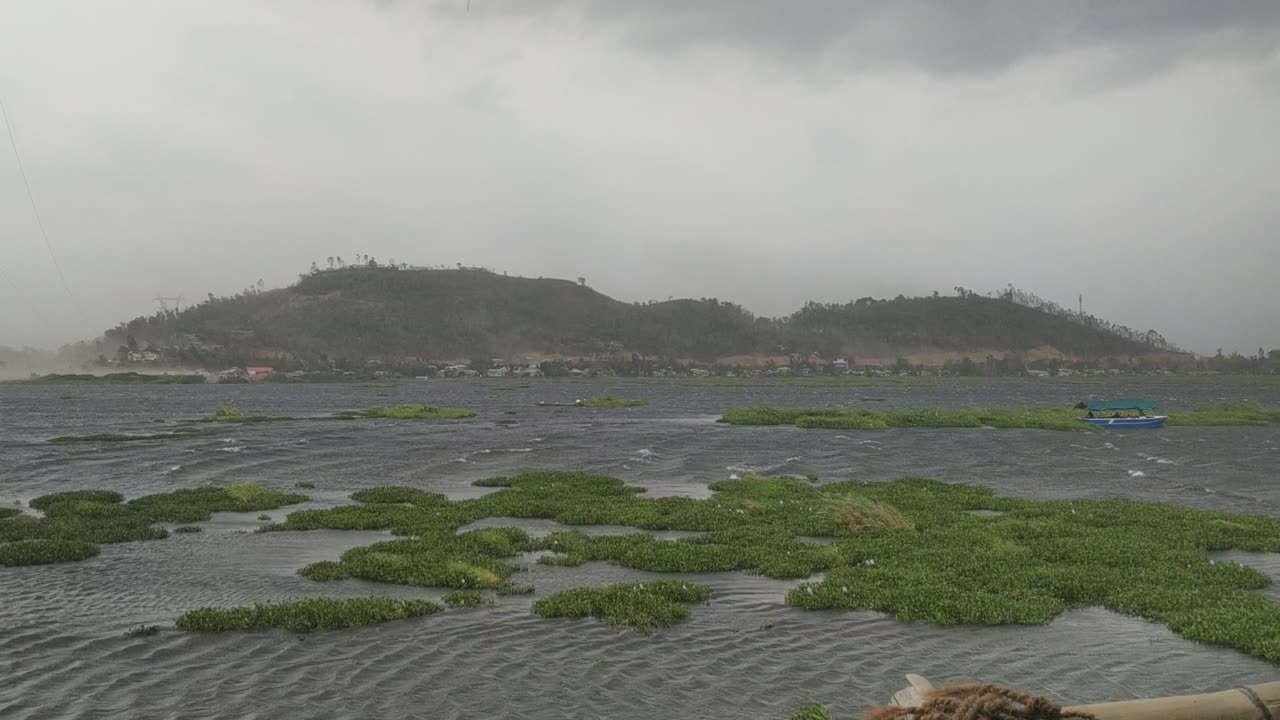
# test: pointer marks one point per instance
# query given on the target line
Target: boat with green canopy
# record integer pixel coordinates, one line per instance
(1121, 414)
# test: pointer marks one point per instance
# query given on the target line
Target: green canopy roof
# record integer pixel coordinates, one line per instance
(1097, 405)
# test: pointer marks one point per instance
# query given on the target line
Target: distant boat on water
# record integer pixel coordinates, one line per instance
(1119, 414)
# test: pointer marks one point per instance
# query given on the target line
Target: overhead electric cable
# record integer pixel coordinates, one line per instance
(13, 143)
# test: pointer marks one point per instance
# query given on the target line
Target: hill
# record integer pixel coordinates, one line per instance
(388, 312)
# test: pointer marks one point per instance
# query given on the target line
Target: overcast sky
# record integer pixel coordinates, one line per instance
(763, 152)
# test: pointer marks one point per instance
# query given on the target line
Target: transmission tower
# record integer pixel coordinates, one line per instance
(164, 301)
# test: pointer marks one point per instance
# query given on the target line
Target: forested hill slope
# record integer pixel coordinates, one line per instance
(435, 313)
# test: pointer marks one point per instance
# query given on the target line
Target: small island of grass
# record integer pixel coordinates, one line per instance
(44, 552)
(608, 401)
(77, 521)
(645, 606)
(304, 616)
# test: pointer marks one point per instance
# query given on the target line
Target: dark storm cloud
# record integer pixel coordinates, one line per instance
(935, 36)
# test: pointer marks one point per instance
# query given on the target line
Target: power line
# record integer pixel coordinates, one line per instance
(36, 211)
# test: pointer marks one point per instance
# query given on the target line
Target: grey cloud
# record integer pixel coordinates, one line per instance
(937, 37)
(655, 148)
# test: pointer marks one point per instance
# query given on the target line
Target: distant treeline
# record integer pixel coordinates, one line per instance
(383, 311)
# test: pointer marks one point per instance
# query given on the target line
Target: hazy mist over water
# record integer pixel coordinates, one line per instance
(765, 154)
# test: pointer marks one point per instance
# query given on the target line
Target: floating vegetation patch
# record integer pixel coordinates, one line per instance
(178, 434)
(645, 606)
(228, 414)
(44, 552)
(466, 598)
(305, 615)
(392, 495)
(305, 485)
(75, 522)
(1244, 413)
(411, 411)
(434, 559)
(608, 401)
(812, 712)
(143, 631)
(913, 548)
(862, 419)
(1038, 418)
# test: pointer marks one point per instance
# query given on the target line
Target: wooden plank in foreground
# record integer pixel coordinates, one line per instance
(1240, 703)
(1234, 704)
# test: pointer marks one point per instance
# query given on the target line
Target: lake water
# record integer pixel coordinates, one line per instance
(63, 652)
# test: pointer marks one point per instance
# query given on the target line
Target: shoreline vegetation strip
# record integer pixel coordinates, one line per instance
(231, 415)
(1042, 418)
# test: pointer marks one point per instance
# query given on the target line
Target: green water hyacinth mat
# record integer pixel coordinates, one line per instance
(75, 523)
(913, 548)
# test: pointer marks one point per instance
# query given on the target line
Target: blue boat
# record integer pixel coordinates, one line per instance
(1115, 414)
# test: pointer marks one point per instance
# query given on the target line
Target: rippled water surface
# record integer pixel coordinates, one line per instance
(63, 653)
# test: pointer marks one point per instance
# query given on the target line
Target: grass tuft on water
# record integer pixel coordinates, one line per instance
(44, 552)
(466, 598)
(143, 631)
(608, 401)
(412, 411)
(858, 514)
(305, 615)
(812, 712)
(645, 606)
